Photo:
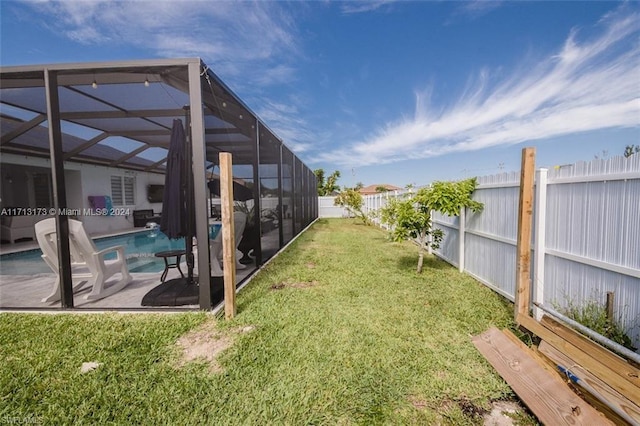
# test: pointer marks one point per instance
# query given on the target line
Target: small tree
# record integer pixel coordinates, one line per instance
(352, 200)
(328, 186)
(411, 217)
(630, 150)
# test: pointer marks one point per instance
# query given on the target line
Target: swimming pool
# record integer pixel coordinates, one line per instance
(139, 249)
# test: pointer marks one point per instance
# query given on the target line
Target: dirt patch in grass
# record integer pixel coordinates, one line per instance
(418, 403)
(506, 413)
(206, 342)
(303, 284)
(470, 409)
(311, 265)
(278, 286)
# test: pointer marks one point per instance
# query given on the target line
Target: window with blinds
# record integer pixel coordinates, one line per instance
(123, 190)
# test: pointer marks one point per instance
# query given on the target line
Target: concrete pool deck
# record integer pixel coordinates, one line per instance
(27, 291)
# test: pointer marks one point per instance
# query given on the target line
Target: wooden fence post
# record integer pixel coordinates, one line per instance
(539, 241)
(228, 235)
(523, 250)
(609, 307)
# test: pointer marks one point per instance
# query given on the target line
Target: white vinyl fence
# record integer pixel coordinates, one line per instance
(586, 236)
(327, 209)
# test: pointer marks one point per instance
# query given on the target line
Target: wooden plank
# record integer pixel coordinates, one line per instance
(591, 363)
(228, 235)
(620, 406)
(539, 358)
(552, 403)
(523, 250)
(592, 400)
(597, 351)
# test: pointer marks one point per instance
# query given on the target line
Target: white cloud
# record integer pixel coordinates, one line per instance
(285, 121)
(250, 45)
(260, 35)
(585, 86)
(363, 6)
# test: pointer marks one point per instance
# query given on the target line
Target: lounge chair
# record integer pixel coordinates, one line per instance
(88, 264)
(239, 223)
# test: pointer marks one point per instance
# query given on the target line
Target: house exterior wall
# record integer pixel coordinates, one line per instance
(82, 181)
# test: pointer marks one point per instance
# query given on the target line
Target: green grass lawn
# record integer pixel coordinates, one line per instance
(345, 333)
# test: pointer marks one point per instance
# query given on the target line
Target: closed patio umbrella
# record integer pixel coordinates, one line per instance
(177, 214)
(174, 205)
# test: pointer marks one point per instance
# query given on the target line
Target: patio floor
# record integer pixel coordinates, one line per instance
(27, 291)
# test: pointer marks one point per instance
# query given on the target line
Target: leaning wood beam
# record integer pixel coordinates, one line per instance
(541, 391)
(600, 370)
(228, 235)
(606, 398)
(619, 364)
(523, 250)
(24, 128)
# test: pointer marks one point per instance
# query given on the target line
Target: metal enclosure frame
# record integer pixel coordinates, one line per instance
(135, 101)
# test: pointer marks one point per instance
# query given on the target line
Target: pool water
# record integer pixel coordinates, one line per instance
(139, 249)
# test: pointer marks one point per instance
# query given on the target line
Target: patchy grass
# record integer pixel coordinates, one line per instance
(339, 329)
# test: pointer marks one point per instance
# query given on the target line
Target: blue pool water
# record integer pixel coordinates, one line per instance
(139, 249)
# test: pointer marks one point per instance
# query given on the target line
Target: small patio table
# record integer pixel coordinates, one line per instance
(166, 255)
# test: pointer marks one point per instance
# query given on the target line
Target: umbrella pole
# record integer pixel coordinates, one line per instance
(189, 172)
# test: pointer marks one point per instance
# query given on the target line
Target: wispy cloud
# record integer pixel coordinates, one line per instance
(584, 86)
(476, 8)
(251, 45)
(363, 6)
(286, 121)
(256, 35)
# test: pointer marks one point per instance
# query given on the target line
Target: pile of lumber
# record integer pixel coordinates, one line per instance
(566, 378)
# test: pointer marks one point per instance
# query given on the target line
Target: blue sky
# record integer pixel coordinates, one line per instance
(385, 91)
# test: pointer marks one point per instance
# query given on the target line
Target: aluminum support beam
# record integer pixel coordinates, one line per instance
(59, 192)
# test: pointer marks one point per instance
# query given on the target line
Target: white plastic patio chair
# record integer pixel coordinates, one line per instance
(239, 223)
(88, 264)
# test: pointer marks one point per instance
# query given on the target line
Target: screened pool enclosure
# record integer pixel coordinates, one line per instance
(89, 141)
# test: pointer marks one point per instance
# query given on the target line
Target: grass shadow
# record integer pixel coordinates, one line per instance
(430, 262)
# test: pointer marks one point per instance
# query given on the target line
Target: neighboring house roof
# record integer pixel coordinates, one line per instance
(372, 189)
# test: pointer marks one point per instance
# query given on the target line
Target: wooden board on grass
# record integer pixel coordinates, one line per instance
(589, 359)
(536, 387)
(622, 407)
(605, 356)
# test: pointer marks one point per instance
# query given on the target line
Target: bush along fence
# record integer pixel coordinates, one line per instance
(586, 237)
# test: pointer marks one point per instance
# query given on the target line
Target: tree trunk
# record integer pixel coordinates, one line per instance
(420, 253)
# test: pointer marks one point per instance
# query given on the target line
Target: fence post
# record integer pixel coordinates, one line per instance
(228, 237)
(430, 239)
(461, 230)
(523, 249)
(539, 244)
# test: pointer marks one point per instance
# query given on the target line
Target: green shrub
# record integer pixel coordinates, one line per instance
(593, 315)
